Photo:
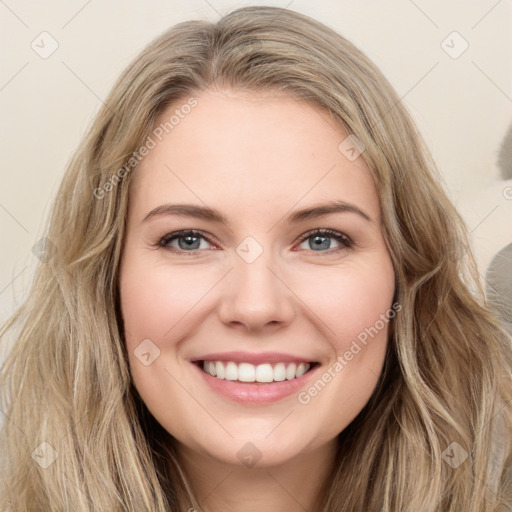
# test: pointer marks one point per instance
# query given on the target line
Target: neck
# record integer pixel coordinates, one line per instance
(295, 485)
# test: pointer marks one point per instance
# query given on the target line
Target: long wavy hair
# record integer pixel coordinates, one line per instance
(435, 435)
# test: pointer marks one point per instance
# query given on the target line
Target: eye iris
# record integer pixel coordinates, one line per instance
(322, 238)
(189, 241)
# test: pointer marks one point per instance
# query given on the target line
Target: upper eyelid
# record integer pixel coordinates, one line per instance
(173, 235)
(324, 231)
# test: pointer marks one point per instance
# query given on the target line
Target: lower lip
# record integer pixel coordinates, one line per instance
(254, 392)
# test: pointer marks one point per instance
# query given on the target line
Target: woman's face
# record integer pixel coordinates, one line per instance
(264, 289)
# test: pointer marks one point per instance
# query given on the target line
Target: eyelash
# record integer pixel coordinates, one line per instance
(343, 239)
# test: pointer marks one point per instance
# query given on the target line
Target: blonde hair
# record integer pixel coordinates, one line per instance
(447, 376)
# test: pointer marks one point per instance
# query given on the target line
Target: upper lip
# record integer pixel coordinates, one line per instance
(252, 357)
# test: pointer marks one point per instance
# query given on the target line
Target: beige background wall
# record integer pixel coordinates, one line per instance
(463, 105)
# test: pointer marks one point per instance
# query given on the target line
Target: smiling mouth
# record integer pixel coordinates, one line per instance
(262, 373)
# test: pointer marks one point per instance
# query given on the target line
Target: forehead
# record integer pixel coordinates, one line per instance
(250, 149)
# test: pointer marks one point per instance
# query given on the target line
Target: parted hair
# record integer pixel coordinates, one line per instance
(445, 390)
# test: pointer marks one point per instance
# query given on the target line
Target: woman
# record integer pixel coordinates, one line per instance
(188, 344)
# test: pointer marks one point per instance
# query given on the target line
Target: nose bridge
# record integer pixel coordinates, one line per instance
(254, 293)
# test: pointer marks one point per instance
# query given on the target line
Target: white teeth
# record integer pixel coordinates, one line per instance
(231, 371)
(291, 370)
(301, 370)
(279, 372)
(264, 373)
(246, 372)
(209, 367)
(219, 370)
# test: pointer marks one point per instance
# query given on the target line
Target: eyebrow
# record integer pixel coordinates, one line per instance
(213, 215)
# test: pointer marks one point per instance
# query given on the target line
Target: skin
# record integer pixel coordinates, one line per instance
(255, 157)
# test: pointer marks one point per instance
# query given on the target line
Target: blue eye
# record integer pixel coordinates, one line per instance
(321, 241)
(189, 241)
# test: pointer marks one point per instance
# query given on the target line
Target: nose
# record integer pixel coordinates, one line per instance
(255, 297)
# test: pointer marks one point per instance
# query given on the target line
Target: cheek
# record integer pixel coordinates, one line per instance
(356, 311)
(352, 301)
(162, 305)
(153, 300)
(158, 305)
